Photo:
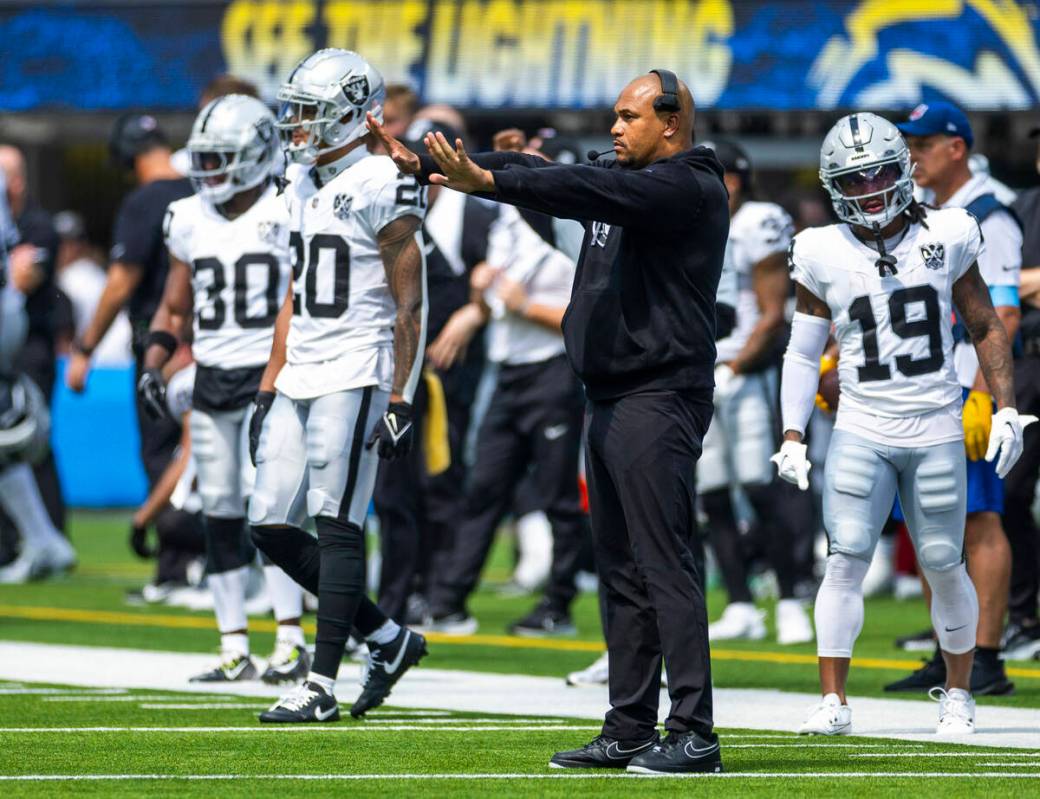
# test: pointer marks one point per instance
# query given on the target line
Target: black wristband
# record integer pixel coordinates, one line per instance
(82, 348)
(402, 409)
(264, 399)
(161, 338)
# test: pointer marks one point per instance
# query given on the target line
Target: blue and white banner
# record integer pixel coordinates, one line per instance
(552, 54)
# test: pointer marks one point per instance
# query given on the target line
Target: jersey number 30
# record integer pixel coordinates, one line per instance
(861, 311)
(338, 248)
(215, 320)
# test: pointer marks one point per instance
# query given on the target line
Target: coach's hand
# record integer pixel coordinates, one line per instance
(459, 172)
(1006, 438)
(977, 417)
(406, 160)
(393, 432)
(792, 464)
(151, 390)
(261, 405)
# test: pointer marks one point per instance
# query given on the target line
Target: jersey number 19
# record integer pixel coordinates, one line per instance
(861, 311)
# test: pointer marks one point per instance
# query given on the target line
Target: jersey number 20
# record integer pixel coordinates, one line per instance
(308, 291)
(861, 311)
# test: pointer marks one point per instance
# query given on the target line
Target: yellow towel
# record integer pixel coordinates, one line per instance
(435, 426)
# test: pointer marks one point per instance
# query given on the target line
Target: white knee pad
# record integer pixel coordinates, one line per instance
(839, 606)
(955, 608)
(853, 479)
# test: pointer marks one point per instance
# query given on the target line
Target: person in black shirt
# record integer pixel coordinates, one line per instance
(137, 272)
(640, 333)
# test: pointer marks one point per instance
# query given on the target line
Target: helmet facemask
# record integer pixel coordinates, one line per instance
(220, 169)
(871, 194)
(310, 127)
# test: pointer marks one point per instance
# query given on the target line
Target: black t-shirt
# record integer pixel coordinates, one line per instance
(137, 239)
(36, 227)
(1027, 206)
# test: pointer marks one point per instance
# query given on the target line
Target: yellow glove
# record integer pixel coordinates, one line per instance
(827, 364)
(978, 418)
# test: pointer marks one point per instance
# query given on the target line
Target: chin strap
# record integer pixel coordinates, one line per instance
(886, 262)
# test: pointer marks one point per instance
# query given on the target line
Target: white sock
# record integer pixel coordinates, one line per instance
(291, 634)
(955, 608)
(20, 497)
(327, 683)
(237, 643)
(386, 633)
(286, 596)
(839, 606)
(534, 539)
(229, 598)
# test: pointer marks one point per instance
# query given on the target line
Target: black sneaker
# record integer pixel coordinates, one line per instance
(232, 668)
(923, 641)
(931, 674)
(680, 753)
(543, 622)
(1023, 643)
(602, 752)
(988, 677)
(307, 702)
(386, 665)
(288, 663)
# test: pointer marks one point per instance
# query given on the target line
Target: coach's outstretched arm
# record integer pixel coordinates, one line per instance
(799, 382)
(405, 267)
(972, 297)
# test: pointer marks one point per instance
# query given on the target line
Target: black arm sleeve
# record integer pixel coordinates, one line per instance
(664, 194)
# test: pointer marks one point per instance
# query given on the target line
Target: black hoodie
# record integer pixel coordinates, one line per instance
(642, 310)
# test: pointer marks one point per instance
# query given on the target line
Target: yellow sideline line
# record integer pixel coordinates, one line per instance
(506, 641)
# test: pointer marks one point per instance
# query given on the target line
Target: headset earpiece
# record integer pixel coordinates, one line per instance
(668, 100)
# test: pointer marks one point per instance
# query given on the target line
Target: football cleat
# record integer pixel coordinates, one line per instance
(233, 667)
(288, 663)
(602, 752)
(596, 674)
(386, 665)
(923, 641)
(830, 717)
(1023, 643)
(740, 620)
(792, 623)
(956, 711)
(456, 623)
(543, 622)
(307, 702)
(930, 675)
(680, 753)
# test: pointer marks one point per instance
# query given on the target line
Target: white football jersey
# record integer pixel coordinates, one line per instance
(341, 336)
(756, 231)
(239, 276)
(895, 333)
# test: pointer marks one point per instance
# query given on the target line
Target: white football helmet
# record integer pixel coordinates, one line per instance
(25, 422)
(324, 103)
(865, 167)
(233, 147)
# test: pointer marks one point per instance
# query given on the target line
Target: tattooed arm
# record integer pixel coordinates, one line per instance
(406, 273)
(971, 296)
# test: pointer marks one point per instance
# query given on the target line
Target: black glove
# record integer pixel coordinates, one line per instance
(394, 432)
(151, 390)
(139, 541)
(261, 405)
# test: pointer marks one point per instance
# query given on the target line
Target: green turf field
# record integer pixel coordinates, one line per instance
(424, 752)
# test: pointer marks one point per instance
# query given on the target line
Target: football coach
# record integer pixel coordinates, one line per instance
(640, 333)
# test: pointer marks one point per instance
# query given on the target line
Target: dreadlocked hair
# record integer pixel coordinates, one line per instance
(917, 213)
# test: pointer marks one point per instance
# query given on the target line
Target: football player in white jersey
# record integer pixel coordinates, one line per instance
(744, 430)
(347, 355)
(229, 269)
(887, 279)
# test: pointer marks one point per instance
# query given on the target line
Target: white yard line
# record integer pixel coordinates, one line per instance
(481, 692)
(768, 775)
(303, 728)
(977, 753)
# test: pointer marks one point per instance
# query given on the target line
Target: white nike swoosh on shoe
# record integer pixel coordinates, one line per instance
(232, 674)
(392, 666)
(693, 751)
(615, 752)
(322, 716)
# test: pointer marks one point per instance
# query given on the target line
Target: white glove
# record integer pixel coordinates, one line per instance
(727, 382)
(1005, 437)
(792, 464)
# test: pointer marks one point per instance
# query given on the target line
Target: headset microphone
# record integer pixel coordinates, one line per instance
(592, 155)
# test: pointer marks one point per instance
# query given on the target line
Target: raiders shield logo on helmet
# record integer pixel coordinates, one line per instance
(356, 89)
(934, 255)
(341, 206)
